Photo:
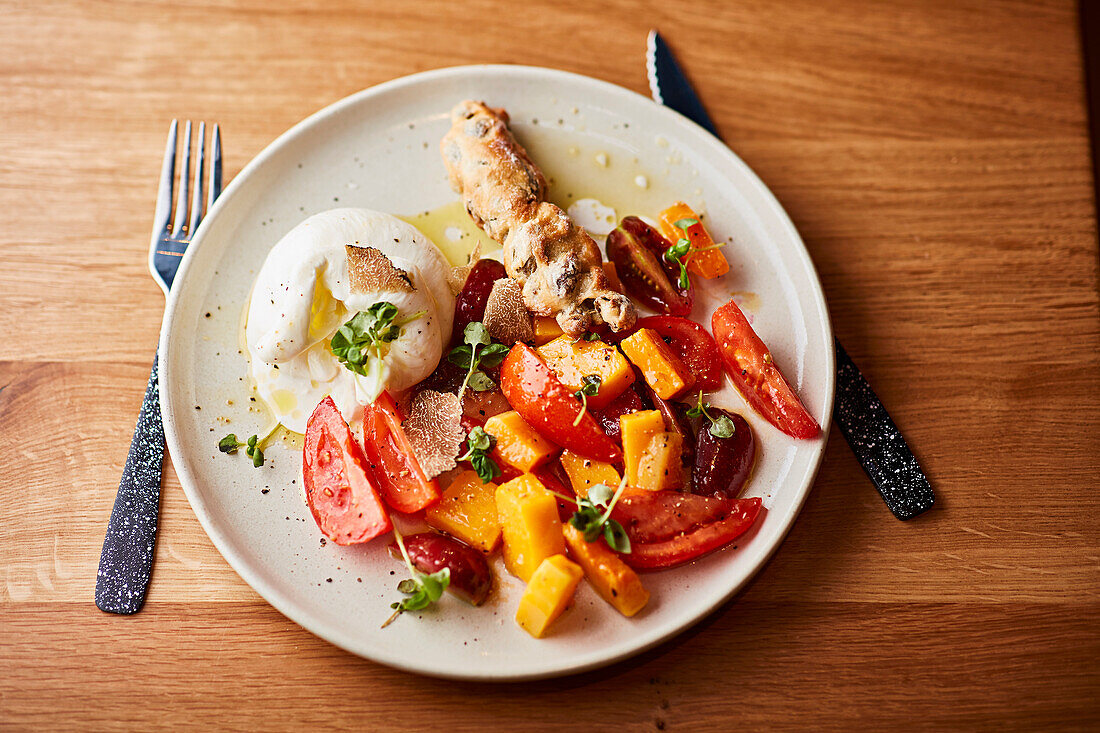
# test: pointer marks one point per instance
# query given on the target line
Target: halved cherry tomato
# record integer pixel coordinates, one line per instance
(722, 465)
(756, 376)
(668, 528)
(392, 461)
(637, 249)
(703, 260)
(548, 406)
(470, 301)
(693, 345)
(339, 490)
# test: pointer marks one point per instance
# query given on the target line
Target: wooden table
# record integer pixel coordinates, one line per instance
(934, 156)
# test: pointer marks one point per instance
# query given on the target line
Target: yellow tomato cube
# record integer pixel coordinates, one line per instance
(468, 510)
(638, 428)
(549, 591)
(530, 523)
(572, 359)
(659, 465)
(662, 369)
(613, 579)
(585, 473)
(546, 330)
(518, 444)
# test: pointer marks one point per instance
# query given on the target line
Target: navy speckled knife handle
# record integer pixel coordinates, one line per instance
(877, 442)
(127, 559)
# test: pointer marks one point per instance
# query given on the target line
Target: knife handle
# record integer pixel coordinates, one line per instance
(877, 442)
(127, 558)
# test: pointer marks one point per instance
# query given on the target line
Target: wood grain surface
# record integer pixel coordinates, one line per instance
(934, 156)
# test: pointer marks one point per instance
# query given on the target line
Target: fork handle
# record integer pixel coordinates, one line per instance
(127, 558)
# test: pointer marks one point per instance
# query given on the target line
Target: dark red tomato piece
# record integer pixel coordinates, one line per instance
(693, 344)
(669, 528)
(625, 403)
(470, 301)
(548, 406)
(339, 490)
(392, 461)
(756, 376)
(471, 578)
(723, 465)
(637, 249)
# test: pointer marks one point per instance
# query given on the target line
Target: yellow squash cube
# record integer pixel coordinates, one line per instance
(585, 473)
(549, 591)
(613, 579)
(662, 369)
(530, 523)
(638, 428)
(546, 330)
(571, 359)
(518, 444)
(659, 466)
(468, 510)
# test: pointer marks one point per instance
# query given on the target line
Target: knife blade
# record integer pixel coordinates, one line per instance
(870, 431)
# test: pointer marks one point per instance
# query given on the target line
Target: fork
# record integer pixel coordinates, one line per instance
(127, 558)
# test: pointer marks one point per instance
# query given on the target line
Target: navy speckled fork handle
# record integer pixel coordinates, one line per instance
(127, 559)
(877, 442)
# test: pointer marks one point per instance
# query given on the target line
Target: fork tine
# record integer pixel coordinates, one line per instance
(185, 183)
(215, 166)
(163, 216)
(196, 196)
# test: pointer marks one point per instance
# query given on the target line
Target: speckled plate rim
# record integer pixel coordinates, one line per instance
(759, 551)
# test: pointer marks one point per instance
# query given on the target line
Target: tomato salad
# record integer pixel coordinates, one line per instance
(591, 457)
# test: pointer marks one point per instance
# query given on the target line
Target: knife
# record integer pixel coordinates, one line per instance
(864, 422)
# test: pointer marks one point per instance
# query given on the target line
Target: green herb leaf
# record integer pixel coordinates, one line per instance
(229, 444)
(478, 445)
(422, 589)
(591, 337)
(590, 384)
(358, 344)
(685, 223)
(616, 537)
(479, 350)
(257, 458)
(480, 382)
(594, 523)
(720, 427)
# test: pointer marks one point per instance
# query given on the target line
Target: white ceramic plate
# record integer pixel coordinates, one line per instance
(379, 149)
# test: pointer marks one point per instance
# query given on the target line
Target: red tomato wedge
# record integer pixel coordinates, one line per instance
(338, 487)
(756, 376)
(395, 468)
(548, 406)
(669, 528)
(693, 345)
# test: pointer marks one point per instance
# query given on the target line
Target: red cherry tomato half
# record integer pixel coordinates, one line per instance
(339, 490)
(470, 301)
(548, 406)
(637, 249)
(669, 528)
(392, 461)
(693, 345)
(756, 376)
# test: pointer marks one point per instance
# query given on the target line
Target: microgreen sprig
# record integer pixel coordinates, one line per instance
(679, 251)
(422, 589)
(720, 427)
(590, 387)
(358, 344)
(477, 351)
(593, 516)
(478, 445)
(253, 447)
